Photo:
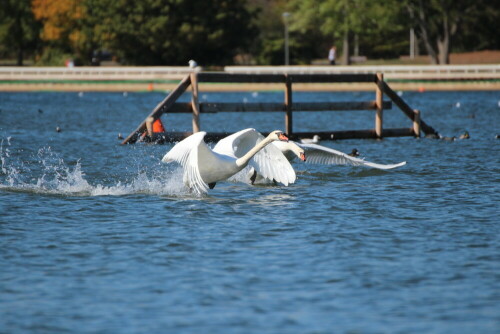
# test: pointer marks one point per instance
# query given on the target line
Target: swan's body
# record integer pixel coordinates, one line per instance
(203, 167)
(318, 154)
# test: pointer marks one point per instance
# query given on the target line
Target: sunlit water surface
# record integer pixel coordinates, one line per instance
(97, 237)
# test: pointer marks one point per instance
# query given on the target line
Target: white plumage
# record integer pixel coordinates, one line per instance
(318, 154)
(203, 167)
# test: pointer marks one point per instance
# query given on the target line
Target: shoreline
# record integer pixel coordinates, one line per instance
(151, 86)
(167, 78)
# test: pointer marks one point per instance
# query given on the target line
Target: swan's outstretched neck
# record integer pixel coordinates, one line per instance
(243, 161)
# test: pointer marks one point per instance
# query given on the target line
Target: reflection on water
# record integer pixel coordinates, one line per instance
(271, 200)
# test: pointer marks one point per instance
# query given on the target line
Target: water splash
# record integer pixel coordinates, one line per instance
(47, 173)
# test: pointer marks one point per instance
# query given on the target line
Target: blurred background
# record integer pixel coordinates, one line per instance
(247, 32)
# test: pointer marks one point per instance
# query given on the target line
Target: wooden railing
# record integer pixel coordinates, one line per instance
(438, 72)
(94, 73)
(170, 105)
(160, 72)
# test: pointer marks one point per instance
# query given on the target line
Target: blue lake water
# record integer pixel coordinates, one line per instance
(96, 237)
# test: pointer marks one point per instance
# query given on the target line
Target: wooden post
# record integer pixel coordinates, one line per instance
(195, 104)
(288, 106)
(416, 123)
(405, 108)
(149, 126)
(379, 101)
(159, 109)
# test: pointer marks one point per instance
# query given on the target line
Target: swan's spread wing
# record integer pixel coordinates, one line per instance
(239, 143)
(187, 154)
(269, 162)
(318, 154)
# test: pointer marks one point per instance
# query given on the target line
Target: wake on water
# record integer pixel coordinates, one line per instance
(47, 173)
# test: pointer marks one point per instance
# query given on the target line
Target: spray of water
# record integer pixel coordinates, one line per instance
(47, 173)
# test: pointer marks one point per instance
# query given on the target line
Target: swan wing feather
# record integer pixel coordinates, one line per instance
(272, 164)
(237, 144)
(269, 162)
(318, 154)
(187, 153)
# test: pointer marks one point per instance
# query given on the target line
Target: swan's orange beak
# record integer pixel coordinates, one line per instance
(302, 156)
(282, 137)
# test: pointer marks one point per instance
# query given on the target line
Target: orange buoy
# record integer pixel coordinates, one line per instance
(150, 87)
(421, 89)
(158, 126)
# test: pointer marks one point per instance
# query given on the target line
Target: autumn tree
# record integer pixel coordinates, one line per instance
(63, 25)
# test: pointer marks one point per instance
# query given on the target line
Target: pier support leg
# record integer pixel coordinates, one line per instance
(379, 116)
(149, 126)
(288, 104)
(416, 123)
(195, 103)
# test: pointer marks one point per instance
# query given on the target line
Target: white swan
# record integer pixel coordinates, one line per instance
(203, 167)
(318, 154)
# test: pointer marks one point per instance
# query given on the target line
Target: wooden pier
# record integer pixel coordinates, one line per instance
(195, 107)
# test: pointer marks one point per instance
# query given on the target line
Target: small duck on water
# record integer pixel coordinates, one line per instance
(464, 135)
(354, 153)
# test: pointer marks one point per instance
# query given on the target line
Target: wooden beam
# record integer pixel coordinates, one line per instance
(281, 78)
(181, 108)
(241, 78)
(160, 109)
(324, 135)
(405, 108)
(194, 103)
(355, 134)
(207, 107)
(379, 116)
(339, 106)
(213, 107)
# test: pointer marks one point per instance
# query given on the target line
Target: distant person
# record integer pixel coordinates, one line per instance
(332, 54)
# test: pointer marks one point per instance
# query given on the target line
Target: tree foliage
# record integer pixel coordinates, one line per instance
(18, 29)
(170, 32)
(153, 32)
(341, 20)
(439, 21)
(63, 27)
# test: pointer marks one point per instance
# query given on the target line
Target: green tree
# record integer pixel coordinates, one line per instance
(438, 22)
(18, 29)
(154, 32)
(342, 20)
